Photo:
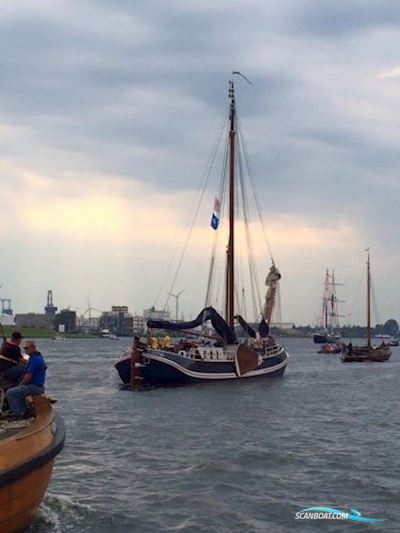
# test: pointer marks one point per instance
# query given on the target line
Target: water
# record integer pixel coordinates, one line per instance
(228, 457)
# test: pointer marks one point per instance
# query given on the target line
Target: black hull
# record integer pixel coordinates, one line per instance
(169, 368)
(323, 338)
(319, 338)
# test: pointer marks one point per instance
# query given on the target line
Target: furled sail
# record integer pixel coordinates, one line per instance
(272, 283)
(208, 313)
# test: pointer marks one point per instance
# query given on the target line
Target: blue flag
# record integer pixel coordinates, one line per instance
(214, 221)
(216, 214)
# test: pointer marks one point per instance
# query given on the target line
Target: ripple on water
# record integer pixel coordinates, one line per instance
(222, 457)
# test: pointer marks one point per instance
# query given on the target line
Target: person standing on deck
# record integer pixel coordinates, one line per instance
(32, 383)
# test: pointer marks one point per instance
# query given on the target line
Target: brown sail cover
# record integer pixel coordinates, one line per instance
(246, 360)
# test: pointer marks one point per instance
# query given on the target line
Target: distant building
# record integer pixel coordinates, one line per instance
(33, 320)
(118, 321)
(138, 324)
(88, 323)
(119, 309)
(66, 318)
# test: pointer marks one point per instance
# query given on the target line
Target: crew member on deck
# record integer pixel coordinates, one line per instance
(12, 364)
(154, 343)
(166, 342)
(350, 348)
(32, 383)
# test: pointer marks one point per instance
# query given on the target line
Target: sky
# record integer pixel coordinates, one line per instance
(108, 115)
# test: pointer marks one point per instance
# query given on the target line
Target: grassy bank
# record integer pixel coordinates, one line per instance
(44, 333)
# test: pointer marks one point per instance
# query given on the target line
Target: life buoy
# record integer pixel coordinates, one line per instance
(182, 352)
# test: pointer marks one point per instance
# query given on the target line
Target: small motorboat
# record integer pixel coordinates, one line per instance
(107, 334)
(59, 338)
(331, 348)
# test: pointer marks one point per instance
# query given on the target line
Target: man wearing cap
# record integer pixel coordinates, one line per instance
(32, 383)
(12, 364)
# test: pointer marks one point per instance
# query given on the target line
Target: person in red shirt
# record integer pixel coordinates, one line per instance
(12, 364)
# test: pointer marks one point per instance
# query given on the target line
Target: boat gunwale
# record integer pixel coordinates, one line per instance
(36, 426)
(16, 472)
(218, 376)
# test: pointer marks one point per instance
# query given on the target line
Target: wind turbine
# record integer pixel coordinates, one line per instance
(90, 309)
(176, 296)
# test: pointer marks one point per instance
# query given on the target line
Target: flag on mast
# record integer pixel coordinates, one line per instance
(216, 214)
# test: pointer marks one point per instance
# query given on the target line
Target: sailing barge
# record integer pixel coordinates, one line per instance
(220, 356)
(368, 353)
(27, 452)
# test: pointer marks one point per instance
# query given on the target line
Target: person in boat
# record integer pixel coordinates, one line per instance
(32, 383)
(12, 364)
(270, 341)
(154, 344)
(350, 348)
(259, 341)
(166, 342)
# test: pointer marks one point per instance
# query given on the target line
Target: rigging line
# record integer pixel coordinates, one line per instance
(277, 311)
(252, 269)
(252, 264)
(205, 179)
(240, 293)
(214, 256)
(201, 190)
(221, 197)
(375, 304)
(244, 313)
(221, 256)
(254, 189)
(258, 292)
(357, 295)
(239, 274)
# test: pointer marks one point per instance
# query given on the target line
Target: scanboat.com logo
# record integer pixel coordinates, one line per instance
(328, 513)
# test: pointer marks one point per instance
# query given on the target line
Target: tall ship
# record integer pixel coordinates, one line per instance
(218, 344)
(329, 318)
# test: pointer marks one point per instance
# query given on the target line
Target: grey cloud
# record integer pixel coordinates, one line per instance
(339, 18)
(138, 91)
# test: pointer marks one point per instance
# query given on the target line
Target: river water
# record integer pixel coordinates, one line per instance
(222, 457)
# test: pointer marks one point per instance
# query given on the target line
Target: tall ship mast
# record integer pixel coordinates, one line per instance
(329, 319)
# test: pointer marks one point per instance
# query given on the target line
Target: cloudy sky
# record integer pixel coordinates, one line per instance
(108, 114)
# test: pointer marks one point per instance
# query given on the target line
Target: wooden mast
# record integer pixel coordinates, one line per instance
(230, 296)
(369, 300)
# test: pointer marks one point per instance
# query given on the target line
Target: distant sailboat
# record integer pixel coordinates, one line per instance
(219, 356)
(361, 354)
